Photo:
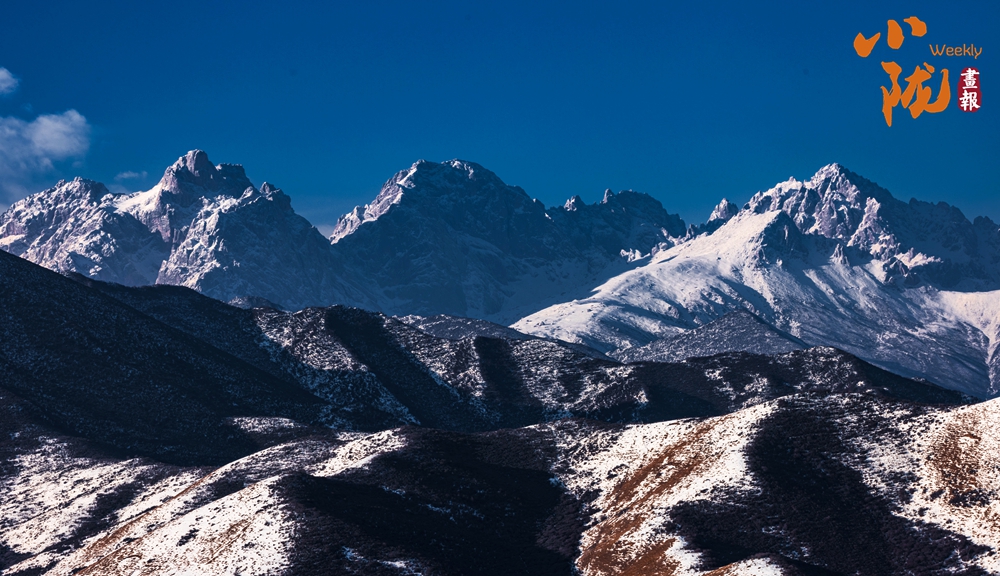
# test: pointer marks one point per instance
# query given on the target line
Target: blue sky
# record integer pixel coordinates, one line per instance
(328, 100)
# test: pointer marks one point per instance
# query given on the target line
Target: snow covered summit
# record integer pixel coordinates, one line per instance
(453, 238)
(202, 226)
(446, 237)
(915, 241)
(834, 260)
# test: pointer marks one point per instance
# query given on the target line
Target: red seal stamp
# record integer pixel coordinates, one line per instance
(970, 96)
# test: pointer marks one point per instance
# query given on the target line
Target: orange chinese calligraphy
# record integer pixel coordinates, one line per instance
(916, 97)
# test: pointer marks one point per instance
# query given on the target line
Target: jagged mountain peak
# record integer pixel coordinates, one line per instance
(193, 175)
(437, 177)
(203, 226)
(77, 188)
(274, 194)
(574, 203)
(453, 238)
(832, 186)
(834, 169)
(833, 259)
(631, 199)
(432, 184)
(626, 209)
(723, 211)
(986, 223)
(936, 238)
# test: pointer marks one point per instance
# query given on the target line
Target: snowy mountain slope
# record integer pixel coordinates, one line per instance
(880, 302)
(202, 226)
(916, 241)
(256, 245)
(75, 227)
(374, 372)
(843, 484)
(738, 331)
(847, 483)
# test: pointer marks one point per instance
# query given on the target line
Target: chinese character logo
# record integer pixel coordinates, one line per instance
(915, 97)
(968, 88)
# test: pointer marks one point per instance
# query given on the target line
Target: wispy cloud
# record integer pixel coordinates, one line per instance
(8, 83)
(129, 175)
(30, 149)
(325, 229)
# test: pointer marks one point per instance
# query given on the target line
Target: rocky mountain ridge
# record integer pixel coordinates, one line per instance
(439, 238)
(153, 429)
(834, 260)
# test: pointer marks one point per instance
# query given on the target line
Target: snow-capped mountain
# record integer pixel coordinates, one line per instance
(916, 242)
(452, 238)
(202, 226)
(835, 261)
(440, 238)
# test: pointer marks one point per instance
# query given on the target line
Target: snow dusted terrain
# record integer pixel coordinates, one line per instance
(734, 332)
(151, 430)
(844, 484)
(848, 483)
(756, 395)
(831, 261)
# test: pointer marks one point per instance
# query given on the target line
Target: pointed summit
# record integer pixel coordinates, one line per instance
(839, 178)
(428, 187)
(194, 175)
(574, 203)
(724, 211)
(833, 169)
(434, 178)
(196, 162)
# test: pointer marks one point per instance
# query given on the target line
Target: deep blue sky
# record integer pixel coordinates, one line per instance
(328, 100)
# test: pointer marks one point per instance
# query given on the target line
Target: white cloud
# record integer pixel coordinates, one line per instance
(59, 136)
(130, 175)
(28, 150)
(8, 84)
